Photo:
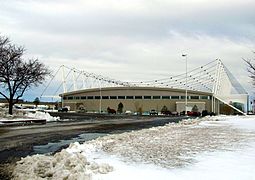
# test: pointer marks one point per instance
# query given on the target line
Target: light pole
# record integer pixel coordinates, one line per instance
(186, 83)
(100, 100)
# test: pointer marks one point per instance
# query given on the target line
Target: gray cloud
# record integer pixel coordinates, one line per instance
(154, 20)
(132, 39)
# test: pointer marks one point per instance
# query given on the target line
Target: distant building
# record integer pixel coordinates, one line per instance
(143, 99)
(210, 87)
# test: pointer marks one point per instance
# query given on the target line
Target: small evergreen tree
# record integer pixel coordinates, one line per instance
(195, 108)
(36, 101)
(164, 109)
(120, 108)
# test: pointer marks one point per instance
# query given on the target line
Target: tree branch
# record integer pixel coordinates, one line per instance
(5, 96)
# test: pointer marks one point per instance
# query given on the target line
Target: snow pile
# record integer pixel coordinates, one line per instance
(173, 145)
(241, 122)
(63, 165)
(42, 115)
(175, 151)
(2, 112)
(19, 116)
(6, 116)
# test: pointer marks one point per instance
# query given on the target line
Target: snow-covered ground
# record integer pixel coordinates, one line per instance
(28, 115)
(220, 147)
(42, 115)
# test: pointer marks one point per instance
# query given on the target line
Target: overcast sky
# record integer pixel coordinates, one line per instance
(133, 40)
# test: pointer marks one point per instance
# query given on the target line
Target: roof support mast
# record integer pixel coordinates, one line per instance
(216, 84)
(83, 79)
(63, 79)
(74, 80)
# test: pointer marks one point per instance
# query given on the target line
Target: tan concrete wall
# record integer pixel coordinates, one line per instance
(131, 104)
(180, 106)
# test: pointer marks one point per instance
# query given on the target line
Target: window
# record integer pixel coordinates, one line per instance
(147, 97)
(165, 97)
(70, 98)
(203, 97)
(130, 97)
(105, 97)
(121, 97)
(174, 97)
(113, 97)
(90, 97)
(194, 97)
(183, 97)
(64, 97)
(138, 97)
(83, 97)
(77, 97)
(97, 97)
(156, 97)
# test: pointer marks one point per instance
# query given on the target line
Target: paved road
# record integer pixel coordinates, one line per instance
(18, 141)
(15, 136)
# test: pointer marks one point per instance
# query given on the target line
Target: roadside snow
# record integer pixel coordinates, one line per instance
(219, 147)
(173, 145)
(62, 165)
(29, 115)
(43, 115)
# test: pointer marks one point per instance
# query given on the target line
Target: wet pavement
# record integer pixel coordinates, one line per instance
(20, 141)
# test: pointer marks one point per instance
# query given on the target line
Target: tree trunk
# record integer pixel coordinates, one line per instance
(10, 108)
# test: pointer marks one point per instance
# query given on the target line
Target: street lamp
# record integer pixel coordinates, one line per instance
(186, 84)
(100, 100)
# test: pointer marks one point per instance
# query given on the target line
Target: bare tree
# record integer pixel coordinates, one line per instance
(18, 75)
(251, 69)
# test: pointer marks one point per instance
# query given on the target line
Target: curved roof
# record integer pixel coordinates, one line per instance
(133, 88)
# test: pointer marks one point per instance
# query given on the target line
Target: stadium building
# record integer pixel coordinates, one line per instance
(137, 99)
(210, 87)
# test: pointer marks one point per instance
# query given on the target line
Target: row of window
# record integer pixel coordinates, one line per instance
(133, 97)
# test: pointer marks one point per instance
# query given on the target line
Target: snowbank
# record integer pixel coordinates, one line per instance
(42, 115)
(241, 122)
(192, 149)
(63, 165)
(28, 115)
(173, 145)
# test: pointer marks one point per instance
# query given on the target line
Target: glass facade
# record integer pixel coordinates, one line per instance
(175, 97)
(90, 97)
(83, 97)
(97, 97)
(204, 97)
(194, 97)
